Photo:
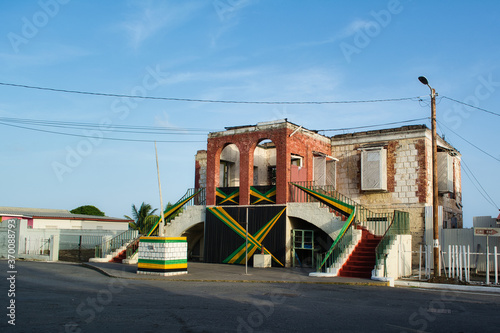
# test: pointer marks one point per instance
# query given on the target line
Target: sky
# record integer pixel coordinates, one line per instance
(230, 50)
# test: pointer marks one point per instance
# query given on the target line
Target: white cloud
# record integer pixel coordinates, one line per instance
(350, 30)
(45, 54)
(152, 17)
(354, 27)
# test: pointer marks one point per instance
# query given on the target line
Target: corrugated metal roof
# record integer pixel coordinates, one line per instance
(55, 213)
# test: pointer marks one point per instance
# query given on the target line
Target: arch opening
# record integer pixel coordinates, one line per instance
(264, 163)
(229, 166)
(303, 256)
(195, 236)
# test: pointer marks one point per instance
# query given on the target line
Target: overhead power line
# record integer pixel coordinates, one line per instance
(484, 194)
(473, 145)
(471, 106)
(369, 126)
(177, 99)
(93, 137)
(467, 170)
(108, 128)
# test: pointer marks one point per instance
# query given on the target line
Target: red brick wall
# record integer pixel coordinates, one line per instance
(391, 160)
(299, 144)
(422, 176)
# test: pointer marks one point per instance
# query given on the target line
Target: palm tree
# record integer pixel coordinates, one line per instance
(143, 217)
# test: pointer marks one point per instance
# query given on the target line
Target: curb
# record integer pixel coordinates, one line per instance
(104, 272)
(100, 270)
(426, 285)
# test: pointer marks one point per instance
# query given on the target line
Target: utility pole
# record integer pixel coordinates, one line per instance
(435, 204)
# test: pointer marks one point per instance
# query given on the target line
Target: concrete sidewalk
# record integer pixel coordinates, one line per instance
(444, 286)
(203, 272)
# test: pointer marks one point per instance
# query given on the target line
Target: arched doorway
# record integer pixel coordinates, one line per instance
(307, 241)
(196, 241)
(229, 166)
(264, 163)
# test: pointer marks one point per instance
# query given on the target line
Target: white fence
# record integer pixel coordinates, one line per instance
(34, 245)
(458, 262)
(476, 244)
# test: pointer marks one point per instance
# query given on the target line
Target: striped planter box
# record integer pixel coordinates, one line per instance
(162, 256)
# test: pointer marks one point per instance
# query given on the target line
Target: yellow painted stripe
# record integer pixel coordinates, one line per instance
(239, 229)
(260, 196)
(335, 204)
(227, 197)
(259, 236)
(242, 232)
(146, 238)
(159, 266)
(237, 256)
(270, 226)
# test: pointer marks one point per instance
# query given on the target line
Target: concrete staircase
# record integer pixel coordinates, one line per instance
(313, 213)
(118, 255)
(362, 260)
(109, 257)
(190, 216)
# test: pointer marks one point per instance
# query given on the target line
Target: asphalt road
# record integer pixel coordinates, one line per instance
(54, 297)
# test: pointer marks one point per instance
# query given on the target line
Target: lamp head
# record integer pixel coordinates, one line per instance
(423, 79)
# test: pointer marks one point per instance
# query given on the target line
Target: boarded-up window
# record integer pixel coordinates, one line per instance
(331, 173)
(324, 170)
(374, 169)
(445, 172)
(319, 164)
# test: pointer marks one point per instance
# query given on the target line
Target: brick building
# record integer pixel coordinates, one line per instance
(378, 172)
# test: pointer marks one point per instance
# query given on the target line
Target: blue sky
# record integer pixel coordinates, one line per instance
(231, 50)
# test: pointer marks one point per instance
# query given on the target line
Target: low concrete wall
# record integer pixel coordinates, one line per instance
(398, 260)
(162, 256)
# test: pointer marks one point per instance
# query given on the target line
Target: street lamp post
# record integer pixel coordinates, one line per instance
(435, 204)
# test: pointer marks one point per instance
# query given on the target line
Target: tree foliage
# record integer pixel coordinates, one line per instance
(144, 218)
(87, 210)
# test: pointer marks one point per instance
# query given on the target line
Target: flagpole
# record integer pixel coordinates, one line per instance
(161, 232)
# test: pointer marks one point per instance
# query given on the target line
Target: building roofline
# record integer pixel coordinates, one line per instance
(55, 214)
(442, 143)
(381, 131)
(280, 123)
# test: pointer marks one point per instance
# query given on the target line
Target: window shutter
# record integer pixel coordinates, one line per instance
(331, 173)
(445, 172)
(374, 169)
(319, 170)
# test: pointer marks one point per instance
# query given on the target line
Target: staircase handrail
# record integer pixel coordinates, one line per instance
(114, 243)
(193, 196)
(400, 225)
(133, 247)
(341, 242)
(377, 223)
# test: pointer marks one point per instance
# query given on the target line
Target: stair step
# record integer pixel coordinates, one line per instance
(360, 261)
(360, 268)
(365, 275)
(370, 249)
(364, 252)
(119, 257)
